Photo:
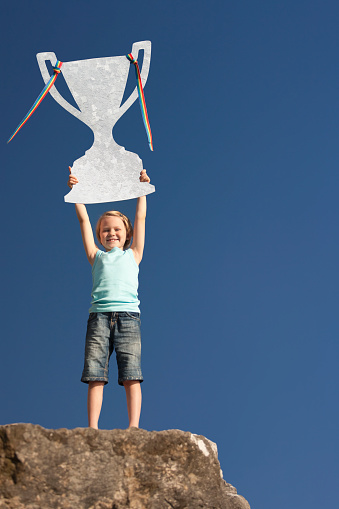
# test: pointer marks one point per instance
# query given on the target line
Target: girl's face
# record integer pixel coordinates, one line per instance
(112, 233)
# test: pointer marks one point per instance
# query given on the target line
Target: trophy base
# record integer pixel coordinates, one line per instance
(103, 196)
(107, 177)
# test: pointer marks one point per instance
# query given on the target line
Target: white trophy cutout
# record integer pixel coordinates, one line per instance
(107, 172)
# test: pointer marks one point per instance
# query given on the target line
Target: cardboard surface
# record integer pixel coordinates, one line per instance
(107, 172)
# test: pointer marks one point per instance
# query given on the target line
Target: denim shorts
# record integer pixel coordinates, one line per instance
(115, 330)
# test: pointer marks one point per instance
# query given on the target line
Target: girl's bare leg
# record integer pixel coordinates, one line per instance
(133, 397)
(94, 403)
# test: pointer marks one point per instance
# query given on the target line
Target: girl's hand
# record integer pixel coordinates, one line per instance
(72, 180)
(144, 177)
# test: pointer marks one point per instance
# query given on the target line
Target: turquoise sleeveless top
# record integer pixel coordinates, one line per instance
(115, 282)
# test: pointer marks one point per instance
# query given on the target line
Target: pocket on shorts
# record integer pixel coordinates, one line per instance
(135, 316)
(91, 317)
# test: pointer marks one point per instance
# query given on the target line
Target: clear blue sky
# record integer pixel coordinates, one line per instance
(239, 282)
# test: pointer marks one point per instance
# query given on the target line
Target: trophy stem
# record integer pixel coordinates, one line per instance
(103, 140)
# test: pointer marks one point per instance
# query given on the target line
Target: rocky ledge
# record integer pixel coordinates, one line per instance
(87, 469)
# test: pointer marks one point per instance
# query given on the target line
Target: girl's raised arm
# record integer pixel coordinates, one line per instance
(139, 223)
(85, 225)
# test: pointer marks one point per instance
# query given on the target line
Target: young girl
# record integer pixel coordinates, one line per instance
(114, 319)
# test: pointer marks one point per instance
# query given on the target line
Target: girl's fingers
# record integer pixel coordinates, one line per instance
(72, 180)
(144, 177)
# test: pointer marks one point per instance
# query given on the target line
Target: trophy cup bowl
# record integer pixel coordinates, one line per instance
(107, 172)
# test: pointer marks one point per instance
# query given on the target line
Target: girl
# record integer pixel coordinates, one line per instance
(114, 319)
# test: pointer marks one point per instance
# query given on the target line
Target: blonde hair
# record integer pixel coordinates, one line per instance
(125, 220)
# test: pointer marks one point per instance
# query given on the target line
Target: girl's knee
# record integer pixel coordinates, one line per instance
(91, 385)
(129, 383)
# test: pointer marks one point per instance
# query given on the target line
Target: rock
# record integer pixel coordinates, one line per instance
(84, 468)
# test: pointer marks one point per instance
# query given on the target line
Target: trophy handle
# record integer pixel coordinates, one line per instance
(146, 46)
(42, 58)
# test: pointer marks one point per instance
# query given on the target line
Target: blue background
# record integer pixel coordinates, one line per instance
(239, 282)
